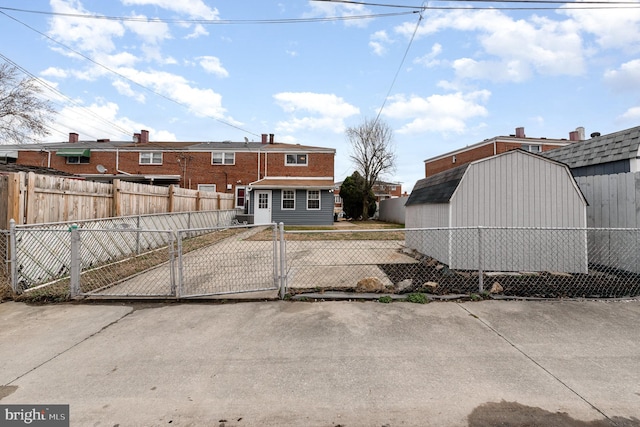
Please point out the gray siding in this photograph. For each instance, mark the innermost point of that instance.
(614, 202)
(302, 216)
(517, 190)
(392, 210)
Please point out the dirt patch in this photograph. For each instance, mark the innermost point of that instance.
(514, 414)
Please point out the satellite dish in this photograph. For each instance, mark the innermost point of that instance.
(101, 169)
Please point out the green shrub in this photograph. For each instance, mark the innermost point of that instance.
(386, 299)
(417, 298)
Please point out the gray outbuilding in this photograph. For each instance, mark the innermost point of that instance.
(516, 211)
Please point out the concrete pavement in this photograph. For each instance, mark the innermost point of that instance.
(279, 363)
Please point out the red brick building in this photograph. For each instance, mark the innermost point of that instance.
(294, 182)
(495, 146)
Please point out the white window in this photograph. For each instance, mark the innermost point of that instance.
(207, 187)
(313, 199)
(240, 197)
(393, 188)
(337, 199)
(288, 199)
(296, 160)
(223, 158)
(532, 148)
(151, 158)
(78, 160)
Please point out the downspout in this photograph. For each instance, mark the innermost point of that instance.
(494, 147)
(118, 163)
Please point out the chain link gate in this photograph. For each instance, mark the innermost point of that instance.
(236, 260)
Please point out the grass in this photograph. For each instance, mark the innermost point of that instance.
(351, 230)
(386, 299)
(417, 298)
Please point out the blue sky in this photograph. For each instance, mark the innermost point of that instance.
(209, 70)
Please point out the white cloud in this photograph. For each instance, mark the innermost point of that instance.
(93, 35)
(198, 31)
(437, 113)
(321, 111)
(631, 115)
(124, 88)
(332, 10)
(429, 60)
(192, 8)
(538, 44)
(151, 32)
(54, 72)
(378, 42)
(615, 27)
(212, 65)
(626, 78)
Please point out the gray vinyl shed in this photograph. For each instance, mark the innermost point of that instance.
(525, 211)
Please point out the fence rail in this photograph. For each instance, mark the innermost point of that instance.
(202, 261)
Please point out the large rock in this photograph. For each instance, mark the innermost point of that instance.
(404, 285)
(496, 288)
(370, 284)
(431, 285)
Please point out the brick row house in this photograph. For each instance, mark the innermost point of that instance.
(273, 182)
(495, 146)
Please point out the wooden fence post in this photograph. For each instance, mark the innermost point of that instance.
(31, 204)
(171, 196)
(116, 201)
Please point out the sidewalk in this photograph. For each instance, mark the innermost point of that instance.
(283, 363)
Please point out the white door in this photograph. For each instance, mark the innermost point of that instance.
(262, 214)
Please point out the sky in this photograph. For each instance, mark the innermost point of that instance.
(442, 75)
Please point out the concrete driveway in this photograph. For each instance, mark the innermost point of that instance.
(277, 363)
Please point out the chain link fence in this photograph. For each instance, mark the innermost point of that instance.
(42, 253)
(198, 262)
(520, 262)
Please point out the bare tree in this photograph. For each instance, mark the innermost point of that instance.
(23, 113)
(371, 145)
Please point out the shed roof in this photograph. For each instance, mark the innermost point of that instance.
(437, 188)
(622, 145)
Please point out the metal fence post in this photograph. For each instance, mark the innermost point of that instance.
(480, 273)
(138, 235)
(75, 261)
(13, 255)
(179, 288)
(172, 264)
(283, 263)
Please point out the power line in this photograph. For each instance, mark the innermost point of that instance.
(208, 21)
(123, 76)
(587, 2)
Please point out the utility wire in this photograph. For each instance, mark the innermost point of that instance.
(209, 21)
(587, 2)
(123, 76)
(404, 57)
(57, 92)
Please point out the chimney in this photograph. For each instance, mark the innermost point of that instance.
(573, 136)
(595, 134)
(104, 140)
(580, 131)
(136, 138)
(73, 137)
(144, 136)
(264, 138)
(520, 132)
(270, 138)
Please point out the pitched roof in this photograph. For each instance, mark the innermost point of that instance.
(288, 182)
(437, 188)
(613, 147)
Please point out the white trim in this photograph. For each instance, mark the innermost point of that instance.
(204, 187)
(283, 199)
(152, 155)
(224, 158)
(240, 187)
(319, 200)
(306, 157)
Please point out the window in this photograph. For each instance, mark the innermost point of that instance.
(207, 187)
(296, 159)
(531, 148)
(223, 158)
(151, 158)
(240, 197)
(393, 188)
(313, 199)
(78, 160)
(288, 199)
(337, 199)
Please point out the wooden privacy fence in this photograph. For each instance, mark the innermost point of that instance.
(29, 198)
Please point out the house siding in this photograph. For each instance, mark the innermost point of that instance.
(300, 215)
